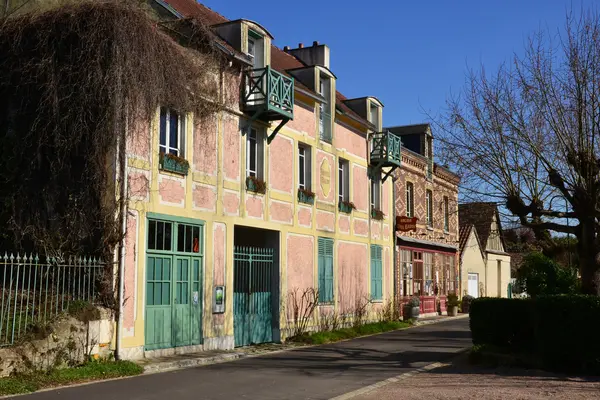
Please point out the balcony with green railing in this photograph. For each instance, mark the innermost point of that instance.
(385, 150)
(269, 94)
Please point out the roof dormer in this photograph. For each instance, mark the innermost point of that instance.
(369, 108)
(248, 37)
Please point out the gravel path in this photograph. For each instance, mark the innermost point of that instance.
(466, 382)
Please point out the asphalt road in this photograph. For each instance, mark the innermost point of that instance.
(311, 373)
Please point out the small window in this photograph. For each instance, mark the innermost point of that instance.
(251, 47)
(410, 200)
(325, 109)
(446, 215)
(188, 238)
(254, 153)
(374, 115)
(376, 193)
(429, 198)
(344, 180)
(172, 132)
(304, 167)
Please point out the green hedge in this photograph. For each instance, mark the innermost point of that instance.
(562, 331)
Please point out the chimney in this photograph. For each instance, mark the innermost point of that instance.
(286, 48)
(317, 54)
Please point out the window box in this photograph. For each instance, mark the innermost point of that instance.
(173, 163)
(306, 196)
(253, 184)
(377, 214)
(346, 207)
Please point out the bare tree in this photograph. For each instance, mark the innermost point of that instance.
(527, 136)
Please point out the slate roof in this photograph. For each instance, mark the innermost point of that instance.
(280, 60)
(481, 215)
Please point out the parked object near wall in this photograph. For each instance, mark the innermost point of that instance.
(452, 305)
(411, 309)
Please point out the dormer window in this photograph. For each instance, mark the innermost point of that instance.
(374, 115)
(325, 109)
(256, 49)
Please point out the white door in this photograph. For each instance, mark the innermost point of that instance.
(257, 53)
(473, 287)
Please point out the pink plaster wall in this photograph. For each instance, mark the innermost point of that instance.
(360, 196)
(386, 232)
(254, 206)
(231, 203)
(375, 229)
(333, 173)
(352, 268)
(385, 198)
(281, 155)
(130, 266)
(304, 120)
(231, 149)
(325, 221)
(205, 145)
(300, 263)
(138, 141)
(204, 197)
(353, 142)
(281, 212)
(171, 190)
(138, 184)
(219, 250)
(305, 216)
(344, 224)
(361, 227)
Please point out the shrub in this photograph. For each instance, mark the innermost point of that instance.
(559, 330)
(540, 275)
(414, 302)
(502, 322)
(452, 300)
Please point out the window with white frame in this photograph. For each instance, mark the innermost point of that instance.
(171, 132)
(429, 199)
(376, 192)
(254, 153)
(410, 200)
(304, 167)
(374, 115)
(344, 180)
(325, 109)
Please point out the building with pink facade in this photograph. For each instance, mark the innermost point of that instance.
(286, 191)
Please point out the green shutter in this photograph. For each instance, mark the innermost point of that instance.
(376, 273)
(325, 270)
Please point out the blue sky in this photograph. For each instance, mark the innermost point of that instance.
(410, 54)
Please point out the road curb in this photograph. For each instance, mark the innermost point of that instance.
(398, 378)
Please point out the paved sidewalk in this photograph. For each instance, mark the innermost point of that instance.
(319, 372)
(465, 382)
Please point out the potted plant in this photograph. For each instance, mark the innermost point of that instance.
(253, 184)
(377, 214)
(466, 303)
(306, 196)
(411, 308)
(452, 305)
(346, 206)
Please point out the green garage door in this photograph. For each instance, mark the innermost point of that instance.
(173, 284)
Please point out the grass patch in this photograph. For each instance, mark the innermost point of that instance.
(350, 333)
(91, 371)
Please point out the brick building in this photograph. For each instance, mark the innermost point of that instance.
(426, 257)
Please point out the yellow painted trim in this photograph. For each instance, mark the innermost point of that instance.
(138, 163)
(203, 178)
(288, 198)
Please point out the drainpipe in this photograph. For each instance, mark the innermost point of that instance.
(123, 212)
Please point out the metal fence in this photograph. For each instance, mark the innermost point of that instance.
(34, 289)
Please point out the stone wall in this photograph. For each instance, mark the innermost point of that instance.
(63, 343)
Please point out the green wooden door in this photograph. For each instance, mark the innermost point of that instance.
(173, 284)
(252, 296)
(376, 273)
